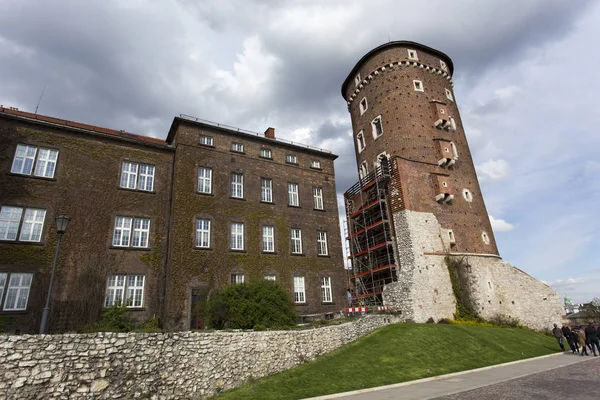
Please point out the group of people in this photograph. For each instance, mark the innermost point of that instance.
(579, 337)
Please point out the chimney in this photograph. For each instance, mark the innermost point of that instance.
(270, 133)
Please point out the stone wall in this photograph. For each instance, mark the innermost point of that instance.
(184, 365)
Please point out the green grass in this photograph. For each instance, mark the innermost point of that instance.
(399, 353)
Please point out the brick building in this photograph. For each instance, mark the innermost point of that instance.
(418, 199)
(159, 223)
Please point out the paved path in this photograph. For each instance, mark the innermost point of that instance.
(486, 381)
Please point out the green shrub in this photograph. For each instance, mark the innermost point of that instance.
(114, 319)
(245, 306)
(259, 327)
(152, 325)
(430, 321)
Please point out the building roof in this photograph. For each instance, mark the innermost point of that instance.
(244, 133)
(12, 112)
(396, 43)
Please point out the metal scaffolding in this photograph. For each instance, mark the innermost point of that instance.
(370, 236)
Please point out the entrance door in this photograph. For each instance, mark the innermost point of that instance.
(198, 305)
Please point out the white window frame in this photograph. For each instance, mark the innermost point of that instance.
(204, 180)
(485, 238)
(133, 178)
(374, 127)
(237, 278)
(237, 147)
(315, 164)
(236, 236)
(449, 94)
(237, 185)
(268, 239)
(318, 198)
(454, 150)
(10, 222)
(18, 288)
(266, 153)
(412, 54)
(291, 159)
(322, 248)
(467, 195)
(125, 290)
(363, 170)
(130, 230)
(266, 190)
(365, 107)
(206, 140)
(203, 233)
(357, 80)
(32, 225)
(293, 195)
(418, 85)
(443, 66)
(296, 240)
(34, 160)
(360, 141)
(299, 289)
(270, 277)
(326, 293)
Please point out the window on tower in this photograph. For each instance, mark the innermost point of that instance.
(357, 80)
(412, 55)
(377, 127)
(418, 86)
(360, 141)
(363, 105)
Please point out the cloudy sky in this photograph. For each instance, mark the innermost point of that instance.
(526, 81)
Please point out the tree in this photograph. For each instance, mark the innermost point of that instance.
(592, 309)
(256, 304)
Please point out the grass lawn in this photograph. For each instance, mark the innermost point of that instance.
(399, 353)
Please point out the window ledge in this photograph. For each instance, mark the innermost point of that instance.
(205, 194)
(237, 198)
(206, 145)
(13, 312)
(136, 190)
(43, 178)
(267, 202)
(203, 248)
(238, 251)
(4, 241)
(237, 152)
(130, 248)
(127, 308)
(324, 255)
(266, 158)
(301, 304)
(292, 206)
(270, 253)
(319, 209)
(298, 254)
(292, 163)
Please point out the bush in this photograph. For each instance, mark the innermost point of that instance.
(430, 321)
(244, 306)
(113, 319)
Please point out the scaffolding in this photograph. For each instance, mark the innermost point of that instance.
(370, 236)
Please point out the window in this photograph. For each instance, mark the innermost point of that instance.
(449, 95)
(237, 186)
(266, 190)
(237, 279)
(17, 293)
(322, 243)
(137, 176)
(377, 127)
(316, 164)
(467, 195)
(363, 171)
(412, 55)
(203, 233)
(123, 237)
(130, 286)
(268, 239)
(296, 239)
(237, 147)
(418, 86)
(318, 198)
(299, 290)
(204, 180)
(237, 236)
(25, 158)
(485, 238)
(270, 278)
(266, 153)
(443, 66)
(363, 105)
(31, 223)
(293, 199)
(326, 289)
(360, 141)
(454, 150)
(357, 80)
(291, 159)
(206, 140)
(451, 236)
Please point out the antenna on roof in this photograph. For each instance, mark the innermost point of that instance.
(41, 95)
(389, 40)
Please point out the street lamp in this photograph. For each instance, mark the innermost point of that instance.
(62, 222)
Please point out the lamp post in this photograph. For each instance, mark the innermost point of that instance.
(62, 222)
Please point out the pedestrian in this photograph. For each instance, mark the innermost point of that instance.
(559, 336)
(592, 338)
(567, 334)
(581, 340)
(575, 339)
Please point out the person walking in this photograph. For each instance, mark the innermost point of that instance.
(559, 336)
(575, 339)
(591, 335)
(581, 340)
(567, 334)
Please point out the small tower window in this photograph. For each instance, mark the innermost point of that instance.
(377, 127)
(443, 66)
(360, 141)
(449, 95)
(363, 105)
(485, 238)
(467, 195)
(363, 171)
(444, 184)
(357, 80)
(454, 150)
(412, 55)
(418, 86)
(451, 238)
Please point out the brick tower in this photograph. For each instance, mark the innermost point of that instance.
(418, 199)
